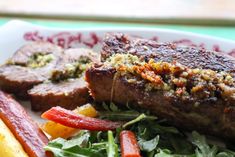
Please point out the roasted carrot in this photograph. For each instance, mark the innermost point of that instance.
(22, 126)
(73, 120)
(9, 145)
(129, 145)
(56, 130)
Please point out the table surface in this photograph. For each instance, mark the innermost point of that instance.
(220, 12)
(137, 13)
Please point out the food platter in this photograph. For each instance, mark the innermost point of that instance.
(18, 33)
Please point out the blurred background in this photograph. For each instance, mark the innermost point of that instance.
(212, 17)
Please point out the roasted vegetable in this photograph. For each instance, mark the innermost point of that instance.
(71, 119)
(86, 110)
(9, 146)
(129, 144)
(22, 126)
(56, 130)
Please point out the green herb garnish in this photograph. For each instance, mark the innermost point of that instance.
(40, 60)
(155, 139)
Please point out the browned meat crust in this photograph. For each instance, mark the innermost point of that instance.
(168, 52)
(16, 76)
(67, 87)
(212, 115)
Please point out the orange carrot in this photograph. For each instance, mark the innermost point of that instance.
(129, 145)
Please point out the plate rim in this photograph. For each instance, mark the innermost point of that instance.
(18, 23)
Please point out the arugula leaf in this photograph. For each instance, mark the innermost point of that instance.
(81, 140)
(86, 152)
(225, 154)
(180, 144)
(56, 147)
(105, 106)
(100, 147)
(149, 145)
(164, 153)
(165, 129)
(167, 153)
(123, 115)
(155, 138)
(203, 149)
(112, 112)
(137, 119)
(113, 107)
(76, 147)
(112, 148)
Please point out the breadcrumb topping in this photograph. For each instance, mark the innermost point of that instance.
(175, 78)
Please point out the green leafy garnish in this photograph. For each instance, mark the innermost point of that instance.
(137, 119)
(149, 145)
(78, 146)
(154, 136)
(112, 148)
(56, 147)
(205, 150)
(168, 153)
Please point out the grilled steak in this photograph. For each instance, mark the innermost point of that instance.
(192, 88)
(67, 87)
(168, 52)
(30, 65)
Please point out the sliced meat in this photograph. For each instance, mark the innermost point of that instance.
(67, 87)
(30, 65)
(68, 94)
(74, 63)
(193, 89)
(83, 54)
(18, 80)
(26, 52)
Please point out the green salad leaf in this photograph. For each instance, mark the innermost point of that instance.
(136, 120)
(155, 138)
(78, 146)
(205, 150)
(167, 153)
(81, 140)
(112, 148)
(56, 147)
(149, 145)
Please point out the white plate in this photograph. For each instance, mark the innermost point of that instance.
(16, 33)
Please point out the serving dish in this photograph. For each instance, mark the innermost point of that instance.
(16, 33)
(202, 84)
